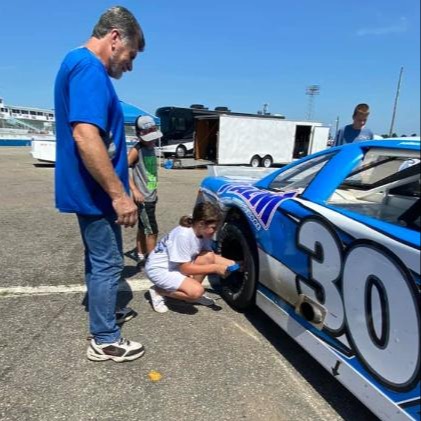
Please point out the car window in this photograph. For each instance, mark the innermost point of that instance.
(384, 185)
(300, 175)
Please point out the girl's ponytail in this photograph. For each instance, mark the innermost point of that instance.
(186, 221)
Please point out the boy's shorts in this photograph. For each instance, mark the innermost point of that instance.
(147, 218)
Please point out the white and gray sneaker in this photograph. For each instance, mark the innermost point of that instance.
(157, 301)
(204, 300)
(120, 351)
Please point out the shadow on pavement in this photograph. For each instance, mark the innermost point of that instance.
(44, 165)
(176, 306)
(346, 404)
(123, 297)
(343, 401)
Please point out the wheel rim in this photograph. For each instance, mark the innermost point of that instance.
(235, 282)
(267, 163)
(254, 163)
(180, 152)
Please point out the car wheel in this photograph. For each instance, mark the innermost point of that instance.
(267, 161)
(255, 161)
(180, 152)
(239, 288)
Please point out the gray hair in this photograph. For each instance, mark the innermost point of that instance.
(118, 17)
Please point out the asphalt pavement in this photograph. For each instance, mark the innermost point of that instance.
(200, 363)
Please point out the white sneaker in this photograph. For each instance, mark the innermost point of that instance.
(120, 351)
(157, 301)
(141, 259)
(205, 301)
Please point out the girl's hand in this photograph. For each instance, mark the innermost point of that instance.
(221, 270)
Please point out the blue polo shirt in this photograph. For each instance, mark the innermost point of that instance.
(84, 93)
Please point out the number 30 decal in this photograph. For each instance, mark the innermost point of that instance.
(369, 293)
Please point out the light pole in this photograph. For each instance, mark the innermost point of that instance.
(311, 91)
(265, 109)
(396, 103)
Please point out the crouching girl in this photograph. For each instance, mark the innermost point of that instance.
(184, 257)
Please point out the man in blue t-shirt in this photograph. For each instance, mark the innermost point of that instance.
(91, 175)
(355, 132)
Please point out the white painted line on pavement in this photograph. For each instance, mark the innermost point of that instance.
(128, 285)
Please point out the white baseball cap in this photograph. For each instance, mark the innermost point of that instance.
(146, 128)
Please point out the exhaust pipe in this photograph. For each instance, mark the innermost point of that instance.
(311, 311)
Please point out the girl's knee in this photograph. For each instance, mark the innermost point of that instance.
(196, 292)
(205, 258)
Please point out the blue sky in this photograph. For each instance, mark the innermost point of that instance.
(234, 53)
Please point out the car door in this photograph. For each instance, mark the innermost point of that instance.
(280, 260)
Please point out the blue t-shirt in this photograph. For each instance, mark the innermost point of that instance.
(349, 135)
(84, 93)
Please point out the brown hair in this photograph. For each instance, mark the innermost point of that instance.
(361, 109)
(203, 212)
(118, 17)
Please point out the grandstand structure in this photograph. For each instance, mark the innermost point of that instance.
(26, 119)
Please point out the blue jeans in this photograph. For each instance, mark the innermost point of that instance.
(103, 266)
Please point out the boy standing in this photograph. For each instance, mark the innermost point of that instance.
(357, 131)
(143, 184)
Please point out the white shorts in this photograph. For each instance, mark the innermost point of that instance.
(163, 278)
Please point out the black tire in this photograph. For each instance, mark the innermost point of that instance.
(180, 152)
(238, 289)
(267, 161)
(255, 161)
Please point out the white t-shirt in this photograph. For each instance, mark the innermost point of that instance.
(181, 245)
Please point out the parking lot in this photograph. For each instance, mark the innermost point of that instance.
(216, 364)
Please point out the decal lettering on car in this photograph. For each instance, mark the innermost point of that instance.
(371, 297)
(263, 204)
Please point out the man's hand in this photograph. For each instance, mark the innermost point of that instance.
(126, 211)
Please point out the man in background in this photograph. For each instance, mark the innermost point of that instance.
(357, 131)
(91, 175)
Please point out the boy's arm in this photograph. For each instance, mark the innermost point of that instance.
(132, 159)
(137, 195)
(133, 156)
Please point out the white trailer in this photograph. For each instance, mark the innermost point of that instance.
(44, 150)
(256, 140)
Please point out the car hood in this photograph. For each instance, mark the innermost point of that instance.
(246, 175)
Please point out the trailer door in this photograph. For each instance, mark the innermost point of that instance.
(206, 138)
(319, 139)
